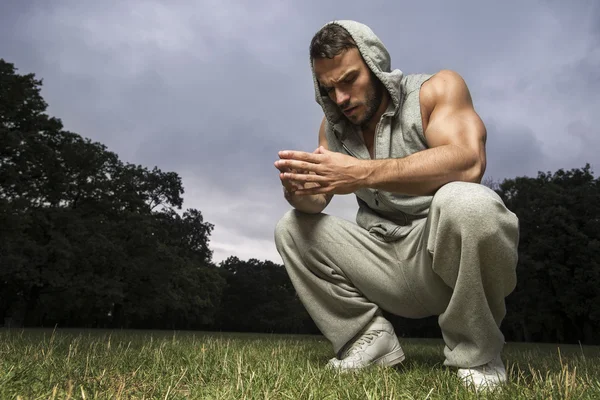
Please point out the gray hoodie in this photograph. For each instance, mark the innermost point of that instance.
(387, 216)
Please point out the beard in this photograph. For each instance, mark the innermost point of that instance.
(374, 97)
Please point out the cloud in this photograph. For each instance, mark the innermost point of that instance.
(213, 89)
(244, 223)
(512, 151)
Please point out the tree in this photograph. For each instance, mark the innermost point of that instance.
(259, 297)
(89, 240)
(558, 291)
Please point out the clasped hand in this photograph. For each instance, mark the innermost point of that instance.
(329, 172)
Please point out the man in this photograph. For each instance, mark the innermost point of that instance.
(429, 239)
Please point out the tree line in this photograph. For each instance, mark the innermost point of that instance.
(88, 240)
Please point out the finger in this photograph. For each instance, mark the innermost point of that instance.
(282, 168)
(314, 190)
(300, 155)
(298, 165)
(290, 184)
(304, 177)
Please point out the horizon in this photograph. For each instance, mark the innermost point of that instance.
(203, 90)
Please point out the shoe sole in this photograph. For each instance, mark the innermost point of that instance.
(390, 359)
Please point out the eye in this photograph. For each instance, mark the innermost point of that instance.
(326, 91)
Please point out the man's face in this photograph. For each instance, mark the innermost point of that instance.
(349, 83)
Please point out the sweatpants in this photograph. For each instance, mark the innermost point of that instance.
(458, 263)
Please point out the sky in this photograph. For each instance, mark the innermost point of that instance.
(213, 89)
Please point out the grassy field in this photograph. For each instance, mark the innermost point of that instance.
(43, 364)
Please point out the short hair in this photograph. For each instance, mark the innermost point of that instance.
(331, 41)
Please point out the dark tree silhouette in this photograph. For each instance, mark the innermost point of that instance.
(88, 240)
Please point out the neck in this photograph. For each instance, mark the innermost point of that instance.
(369, 127)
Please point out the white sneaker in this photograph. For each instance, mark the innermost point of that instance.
(487, 376)
(376, 344)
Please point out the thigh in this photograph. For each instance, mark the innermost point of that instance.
(374, 267)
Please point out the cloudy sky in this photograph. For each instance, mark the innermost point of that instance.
(212, 89)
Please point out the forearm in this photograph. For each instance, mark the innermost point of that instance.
(311, 204)
(424, 172)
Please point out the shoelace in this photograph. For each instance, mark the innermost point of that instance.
(367, 338)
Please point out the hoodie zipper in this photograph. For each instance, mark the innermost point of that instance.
(349, 152)
(375, 156)
(385, 115)
(376, 192)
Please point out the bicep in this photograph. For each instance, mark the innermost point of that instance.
(322, 135)
(453, 120)
(463, 128)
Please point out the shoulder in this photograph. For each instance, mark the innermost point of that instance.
(445, 93)
(445, 89)
(444, 86)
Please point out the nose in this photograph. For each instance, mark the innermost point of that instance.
(341, 97)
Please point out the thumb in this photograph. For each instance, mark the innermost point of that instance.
(321, 150)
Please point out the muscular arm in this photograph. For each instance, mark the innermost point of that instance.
(316, 203)
(455, 136)
(456, 151)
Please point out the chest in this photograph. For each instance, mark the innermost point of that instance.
(396, 136)
(369, 139)
(393, 138)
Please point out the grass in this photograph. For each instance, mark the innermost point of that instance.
(69, 364)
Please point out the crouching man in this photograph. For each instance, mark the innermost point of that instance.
(429, 239)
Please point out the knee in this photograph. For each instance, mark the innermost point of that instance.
(285, 228)
(473, 205)
(464, 199)
(474, 217)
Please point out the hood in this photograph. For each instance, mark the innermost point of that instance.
(377, 59)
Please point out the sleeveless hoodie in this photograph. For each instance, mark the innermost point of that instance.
(387, 216)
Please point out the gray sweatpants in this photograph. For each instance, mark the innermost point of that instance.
(458, 263)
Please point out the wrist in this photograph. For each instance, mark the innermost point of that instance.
(367, 174)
